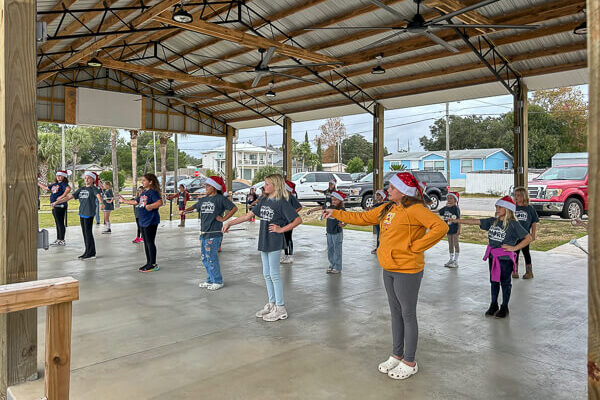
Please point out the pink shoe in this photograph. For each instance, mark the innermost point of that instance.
(135, 240)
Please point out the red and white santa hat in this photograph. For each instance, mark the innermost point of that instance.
(290, 186)
(333, 180)
(508, 203)
(382, 193)
(61, 172)
(217, 182)
(406, 183)
(338, 195)
(455, 195)
(94, 176)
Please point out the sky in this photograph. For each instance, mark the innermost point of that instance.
(402, 127)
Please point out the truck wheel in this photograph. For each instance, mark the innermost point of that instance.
(572, 209)
(435, 201)
(367, 201)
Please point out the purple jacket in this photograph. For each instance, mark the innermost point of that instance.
(496, 253)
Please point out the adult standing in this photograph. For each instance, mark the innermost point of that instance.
(407, 229)
(87, 197)
(57, 190)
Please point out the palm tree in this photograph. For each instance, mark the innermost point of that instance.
(134, 144)
(115, 167)
(49, 152)
(77, 139)
(164, 140)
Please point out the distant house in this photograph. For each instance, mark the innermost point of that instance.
(248, 159)
(461, 162)
(82, 168)
(569, 158)
(296, 166)
(334, 167)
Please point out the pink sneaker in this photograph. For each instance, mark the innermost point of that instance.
(135, 240)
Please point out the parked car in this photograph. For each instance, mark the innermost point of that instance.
(170, 188)
(361, 193)
(307, 182)
(235, 186)
(357, 176)
(239, 196)
(561, 190)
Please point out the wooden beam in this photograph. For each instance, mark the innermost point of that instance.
(57, 367)
(61, 5)
(27, 295)
(287, 148)
(593, 39)
(70, 105)
(164, 74)
(229, 156)
(245, 39)
(378, 141)
(471, 17)
(18, 185)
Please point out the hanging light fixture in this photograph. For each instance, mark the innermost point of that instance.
(581, 29)
(181, 15)
(378, 70)
(94, 62)
(271, 93)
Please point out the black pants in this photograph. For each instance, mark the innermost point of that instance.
(149, 235)
(506, 269)
(59, 218)
(289, 243)
(88, 237)
(526, 254)
(377, 229)
(139, 228)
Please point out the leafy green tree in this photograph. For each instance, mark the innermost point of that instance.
(356, 146)
(355, 165)
(265, 171)
(319, 155)
(370, 166)
(77, 142)
(107, 176)
(49, 153)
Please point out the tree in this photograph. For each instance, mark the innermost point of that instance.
(398, 167)
(49, 153)
(356, 146)
(107, 176)
(370, 166)
(77, 141)
(133, 135)
(330, 155)
(319, 155)
(265, 171)
(333, 132)
(115, 165)
(164, 140)
(355, 165)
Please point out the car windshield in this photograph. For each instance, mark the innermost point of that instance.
(297, 176)
(238, 186)
(367, 178)
(344, 177)
(564, 173)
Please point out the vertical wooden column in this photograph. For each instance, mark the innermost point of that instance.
(593, 43)
(176, 165)
(229, 156)
(521, 129)
(57, 375)
(378, 147)
(287, 148)
(18, 192)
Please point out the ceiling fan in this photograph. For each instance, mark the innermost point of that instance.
(418, 24)
(170, 94)
(263, 68)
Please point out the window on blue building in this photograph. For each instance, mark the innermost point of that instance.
(506, 164)
(466, 166)
(433, 165)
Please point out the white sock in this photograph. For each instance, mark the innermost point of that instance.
(451, 257)
(456, 257)
(108, 225)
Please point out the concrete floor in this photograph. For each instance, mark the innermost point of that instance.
(158, 336)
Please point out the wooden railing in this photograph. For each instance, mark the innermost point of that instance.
(57, 295)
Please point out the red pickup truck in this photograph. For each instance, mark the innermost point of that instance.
(561, 190)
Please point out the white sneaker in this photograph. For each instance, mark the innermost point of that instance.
(454, 264)
(265, 310)
(447, 265)
(282, 257)
(403, 371)
(55, 243)
(214, 286)
(335, 271)
(329, 270)
(289, 259)
(204, 285)
(62, 243)
(286, 260)
(388, 365)
(277, 313)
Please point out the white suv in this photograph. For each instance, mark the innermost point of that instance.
(307, 182)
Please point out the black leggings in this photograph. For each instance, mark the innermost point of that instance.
(289, 243)
(59, 218)
(526, 254)
(149, 234)
(139, 228)
(506, 269)
(88, 237)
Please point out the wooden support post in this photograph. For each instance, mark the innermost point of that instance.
(18, 191)
(229, 156)
(521, 158)
(287, 148)
(593, 43)
(378, 148)
(58, 351)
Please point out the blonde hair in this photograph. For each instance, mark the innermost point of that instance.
(279, 190)
(509, 216)
(524, 194)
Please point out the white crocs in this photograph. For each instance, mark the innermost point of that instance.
(403, 371)
(388, 365)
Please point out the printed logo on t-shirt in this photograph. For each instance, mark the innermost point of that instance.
(84, 194)
(388, 218)
(55, 189)
(448, 216)
(496, 233)
(266, 213)
(521, 215)
(143, 201)
(208, 207)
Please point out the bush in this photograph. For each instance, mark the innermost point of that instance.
(399, 167)
(108, 176)
(355, 165)
(263, 172)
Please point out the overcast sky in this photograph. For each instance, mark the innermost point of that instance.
(402, 126)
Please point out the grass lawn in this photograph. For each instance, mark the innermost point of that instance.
(550, 234)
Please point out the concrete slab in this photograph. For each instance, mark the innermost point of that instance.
(157, 335)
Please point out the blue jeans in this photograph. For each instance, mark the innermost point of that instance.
(210, 259)
(271, 266)
(334, 250)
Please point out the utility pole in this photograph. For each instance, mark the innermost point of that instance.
(154, 144)
(398, 146)
(448, 142)
(62, 149)
(176, 165)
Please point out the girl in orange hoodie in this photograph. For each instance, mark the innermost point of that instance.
(407, 229)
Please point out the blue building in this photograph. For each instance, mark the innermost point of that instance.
(461, 162)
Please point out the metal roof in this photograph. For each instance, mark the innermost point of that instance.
(418, 70)
(454, 154)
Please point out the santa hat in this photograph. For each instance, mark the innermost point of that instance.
(406, 183)
(94, 176)
(508, 203)
(333, 180)
(290, 186)
(217, 182)
(62, 173)
(455, 195)
(382, 193)
(338, 195)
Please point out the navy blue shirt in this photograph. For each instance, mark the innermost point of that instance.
(57, 189)
(526, 215)
(448, 212)
(146, 217)
(136, 211)
(333, 225)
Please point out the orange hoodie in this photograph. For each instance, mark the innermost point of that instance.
(403, 236)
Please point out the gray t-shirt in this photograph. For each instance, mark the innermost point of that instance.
(270, 211)
(498, 236)
(209, 208)
(526, 215)
(447, 212)
(87, 200)
(294, 202)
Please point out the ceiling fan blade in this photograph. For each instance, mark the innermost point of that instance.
(257, 79)
(383, 28)
(265, 62)
(385, 39)
(386, 7)
(220, 59)
(305, 65)
(461, 11)
(436, 39)
(295, 77)
(443, 26)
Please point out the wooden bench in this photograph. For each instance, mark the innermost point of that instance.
(57, 295)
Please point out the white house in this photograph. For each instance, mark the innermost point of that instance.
(334, 167)
(248, 159)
